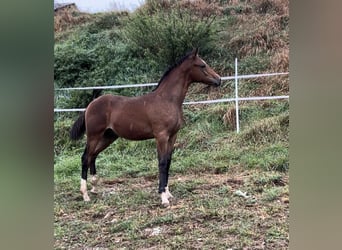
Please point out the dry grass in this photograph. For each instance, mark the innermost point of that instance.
(267, 130)
(279, 7)
(263, 32)
(259, 35)
(261, 28)
(229, 118)
(66, 18)
(280, 60)
(199, 8)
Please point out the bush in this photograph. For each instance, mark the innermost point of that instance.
(169, 33)
(72, 64)
(97, 59)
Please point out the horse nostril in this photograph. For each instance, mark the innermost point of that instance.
(219, 82)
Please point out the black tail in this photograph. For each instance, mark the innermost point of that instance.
(77, 130)
(96, 93)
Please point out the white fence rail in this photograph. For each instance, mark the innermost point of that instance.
(236, 77)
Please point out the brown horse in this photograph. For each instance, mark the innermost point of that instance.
(157, 114)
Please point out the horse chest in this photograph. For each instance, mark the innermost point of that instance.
(177, 122)
(167, 119)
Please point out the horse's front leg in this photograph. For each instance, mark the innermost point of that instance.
(168, 194)
(163, 176)
(170, 148)
(163, 159)
(165, 148)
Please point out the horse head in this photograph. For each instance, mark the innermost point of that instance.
(201, 71)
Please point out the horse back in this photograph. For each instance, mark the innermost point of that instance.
(126, 116)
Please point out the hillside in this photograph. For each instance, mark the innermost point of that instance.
(212, 165)
(120, 48)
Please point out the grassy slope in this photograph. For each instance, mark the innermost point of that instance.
(211, 162)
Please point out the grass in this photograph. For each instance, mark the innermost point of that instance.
(210, 163)
(205, 215)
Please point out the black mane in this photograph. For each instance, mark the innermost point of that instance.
(167, 72)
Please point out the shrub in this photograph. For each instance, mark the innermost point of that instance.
(169, 33)
(72, 64)
(97, 59)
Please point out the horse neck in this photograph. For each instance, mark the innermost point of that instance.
(175, 86)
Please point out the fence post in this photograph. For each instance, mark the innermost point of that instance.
(236, 99)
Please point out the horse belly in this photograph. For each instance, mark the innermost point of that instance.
(133, 131)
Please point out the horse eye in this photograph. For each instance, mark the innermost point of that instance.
(202, 66)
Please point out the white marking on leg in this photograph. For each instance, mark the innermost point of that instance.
(93, 182)
(169, 195)
(84, 190)
(94, 179)
(165, 201)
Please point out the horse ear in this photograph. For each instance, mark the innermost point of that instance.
(195, 52)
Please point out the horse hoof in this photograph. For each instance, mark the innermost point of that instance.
(86, 198)
(166, 204)
(94, 180)
(169, 195)
(164, 199)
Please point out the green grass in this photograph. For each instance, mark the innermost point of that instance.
(205, 144)
(210, 163)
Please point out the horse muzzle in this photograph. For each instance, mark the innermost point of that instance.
(216, 81)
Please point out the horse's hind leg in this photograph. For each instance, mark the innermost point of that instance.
(84, 173)
(92, 150)
(94, 179)
(108, 137)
